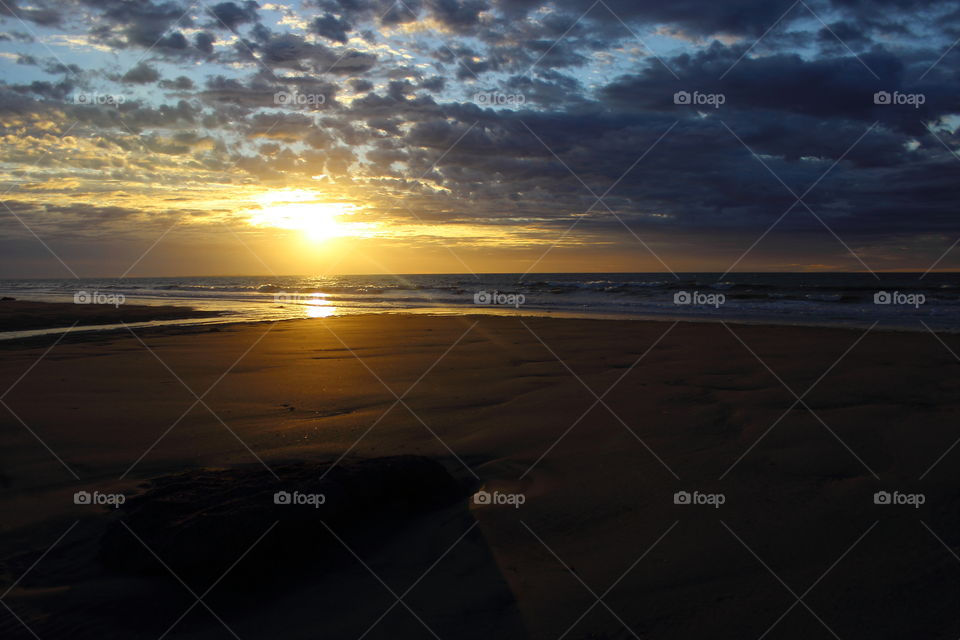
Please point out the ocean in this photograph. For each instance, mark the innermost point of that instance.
(906, 301)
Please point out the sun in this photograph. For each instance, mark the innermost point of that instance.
(304, 211)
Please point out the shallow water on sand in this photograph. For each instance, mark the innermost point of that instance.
(907, 301)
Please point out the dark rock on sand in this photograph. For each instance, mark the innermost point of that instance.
(200, 522)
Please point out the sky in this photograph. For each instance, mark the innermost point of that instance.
(148, 138)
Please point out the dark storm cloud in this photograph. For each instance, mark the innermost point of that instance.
(36, 12)
(16, 36)
(133, 117)
(230, 15)
(360, 85)
(700, 174)
(746, 18)
(826, 88)
(700, 17)
(290, 51)
(289, 127)
(144, 24)
(842, 34)
(332, 28)
(204, 41)
(552, 90)
(247, 96)
(68, 218)
(55, 67)
(143, 73)
(435, 83)
(180, 83)
(458, 15)
(375, 12)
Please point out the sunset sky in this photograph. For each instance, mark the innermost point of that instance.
(361, 136)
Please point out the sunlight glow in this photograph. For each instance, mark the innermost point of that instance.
(301, 210)
(319, 307)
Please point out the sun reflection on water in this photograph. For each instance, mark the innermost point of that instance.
(319, 307)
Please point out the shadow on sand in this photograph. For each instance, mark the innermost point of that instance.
(393, 552)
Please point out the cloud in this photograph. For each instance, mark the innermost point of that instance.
(291, 51)
(38, 13)
(332, 28)
(230, 15)
(143, 73)
(180, 83)
(390, 108)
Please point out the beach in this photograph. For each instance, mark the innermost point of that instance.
(646, 479)
(479, 320)
(29, 315)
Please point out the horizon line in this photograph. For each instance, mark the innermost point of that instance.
(488, 273)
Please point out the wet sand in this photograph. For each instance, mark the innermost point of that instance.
(24, 315)
(510, 405)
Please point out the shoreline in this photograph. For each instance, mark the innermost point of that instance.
(898, 301)
(192, 320)
(24, 316)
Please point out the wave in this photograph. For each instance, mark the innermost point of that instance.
(819, 297)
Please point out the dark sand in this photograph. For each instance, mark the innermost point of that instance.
(492, 406)
(23, 315)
